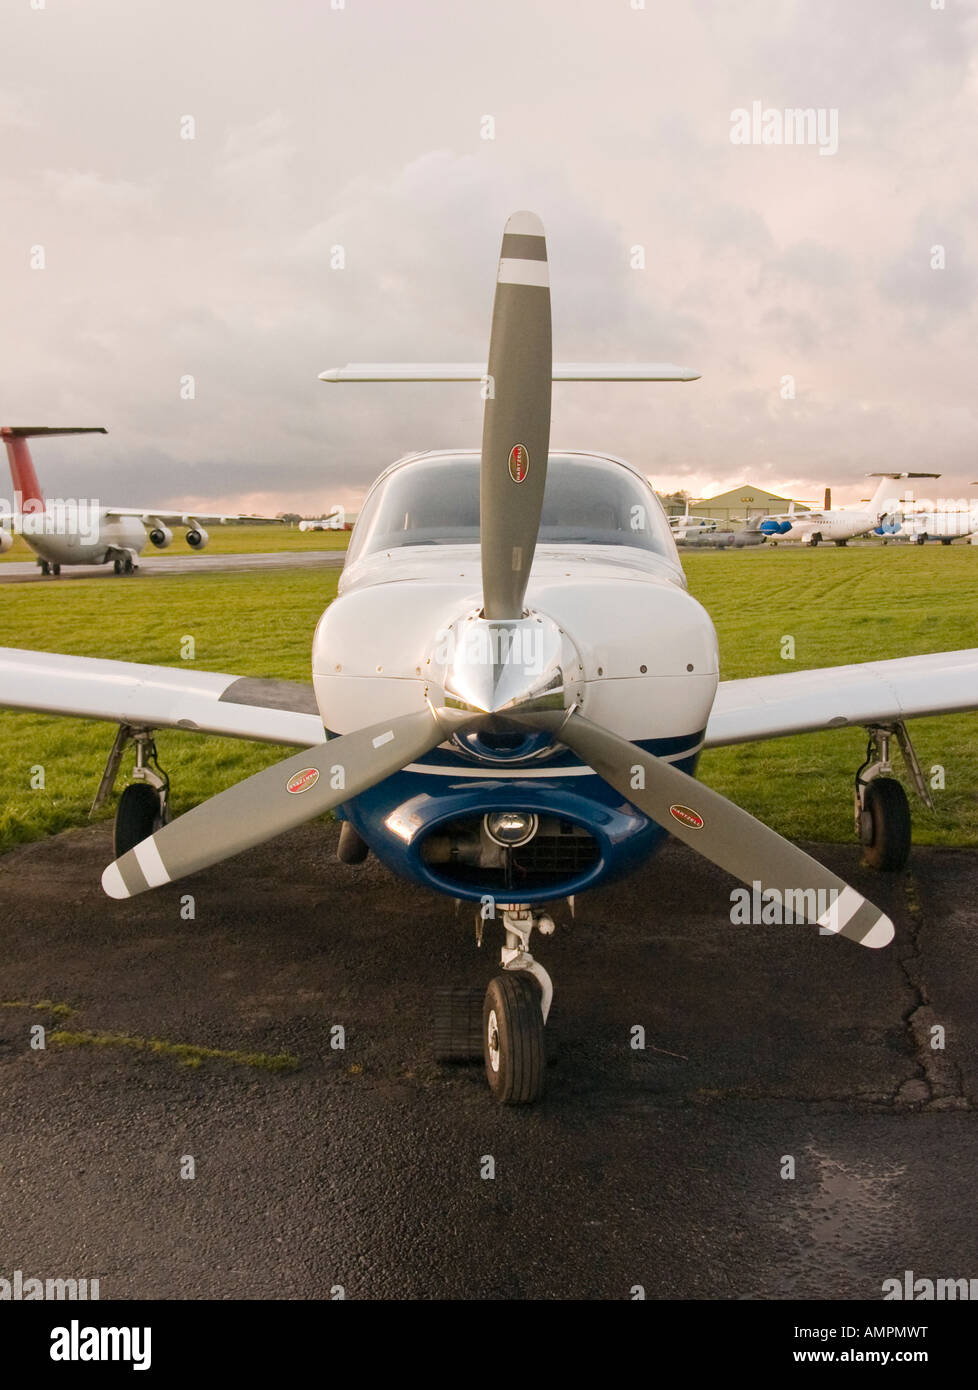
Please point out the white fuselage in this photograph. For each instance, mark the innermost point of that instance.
(838, 525)
(646, 651)
(100, 539)
(944, 525)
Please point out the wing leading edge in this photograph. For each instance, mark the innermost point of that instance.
(158, 697)
(835, 697)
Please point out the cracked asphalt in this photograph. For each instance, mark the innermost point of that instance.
(362, 1168)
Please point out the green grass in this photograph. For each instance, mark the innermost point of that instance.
(841, 605)
(228, 540)
(187, 1054)
(250, 624)
(838, 605)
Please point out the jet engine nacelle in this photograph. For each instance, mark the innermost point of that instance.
(6, 540)
(197, 538)
(161, 536)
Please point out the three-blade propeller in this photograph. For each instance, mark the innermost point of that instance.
(515, 444)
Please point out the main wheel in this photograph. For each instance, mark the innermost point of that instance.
(921, 539)
(458, 1023)
(945, 540)
(513, 1041)
(842, 542)
(117, 565)
(127, 565)
(55, 569)
(137, 816)
(884, 825)
(45, 567)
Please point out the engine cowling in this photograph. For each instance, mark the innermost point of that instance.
(6, 540)
(161, 536)
(197, 538)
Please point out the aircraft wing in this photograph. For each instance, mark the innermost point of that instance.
(476, 371)
(158, 697)
(284, 712)
(835, 697)
(148, 514)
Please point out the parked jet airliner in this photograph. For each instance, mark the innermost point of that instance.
(839, 524)
(80, 532)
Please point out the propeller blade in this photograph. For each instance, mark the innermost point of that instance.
(516, 427)
(277, 799)
(724, 833)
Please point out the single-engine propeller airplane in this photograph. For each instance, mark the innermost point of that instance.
(81, 531)
(510, 695)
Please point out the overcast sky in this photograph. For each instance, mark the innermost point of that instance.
(361, 127)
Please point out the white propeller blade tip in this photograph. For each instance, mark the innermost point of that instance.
(113, 883)
(523, 224)
(880, 934)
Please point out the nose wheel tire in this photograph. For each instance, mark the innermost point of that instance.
(513, 1038)
(138, 815)
(884, 825)
(351, 848)
(458, 1023)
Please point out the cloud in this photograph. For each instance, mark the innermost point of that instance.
(339, 204)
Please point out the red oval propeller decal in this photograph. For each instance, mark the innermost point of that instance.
(302, 781)
(685, 816)
(519, 462)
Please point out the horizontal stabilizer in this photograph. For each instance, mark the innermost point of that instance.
(476, 371)
(30, 431)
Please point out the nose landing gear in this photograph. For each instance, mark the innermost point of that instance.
(506, 1027)
(515, 1011)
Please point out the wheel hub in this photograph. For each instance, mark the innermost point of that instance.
(492, 1034)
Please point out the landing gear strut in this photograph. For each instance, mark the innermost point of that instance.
(144, 805)
(515, 1010)
(881, 809)
(505, 1028)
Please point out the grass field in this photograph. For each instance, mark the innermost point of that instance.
(837, 605)
(228, 540)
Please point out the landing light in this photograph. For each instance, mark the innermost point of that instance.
(511, 828)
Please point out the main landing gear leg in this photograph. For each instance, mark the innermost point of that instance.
(144, 805)
(881, 809)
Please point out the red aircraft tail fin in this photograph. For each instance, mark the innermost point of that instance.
(25, 481)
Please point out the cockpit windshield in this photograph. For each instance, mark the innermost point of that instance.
(434, 500)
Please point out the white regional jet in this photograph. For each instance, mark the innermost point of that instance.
(839, 524)
(80, 531)
(945, 522)
(509, 699)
